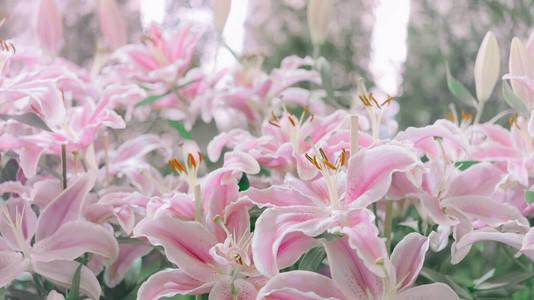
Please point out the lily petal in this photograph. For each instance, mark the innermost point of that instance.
(243, 291)
(61, 272)
(12, 264)
(408, 258)
(281, 246)
(67, 243)
(168, 283)
(186, 244)
(349, 271)
(434, 291)
(301, 285)
(370, 170)
(66, 207)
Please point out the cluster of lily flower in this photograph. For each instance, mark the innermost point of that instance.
(290, 179)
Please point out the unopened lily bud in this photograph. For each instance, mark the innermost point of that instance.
(112, 24)
(320, 13)
(49, 25)
(221, 10)
(521, 65)
(487, 66)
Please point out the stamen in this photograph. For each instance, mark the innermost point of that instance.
(513, 121)
(328, 164)
(274, 124)
(199, 158)
(192, 160)
(365, 100)
(374, 100)
(173, 166)
(311, 119)
(322, 154)
(274, 116)
(309, 158)
(179, 165)
(450, 116)
(387, 100)
(292, 122)
(36, 110)
(342, 157)
(305, 111)
(316, 163)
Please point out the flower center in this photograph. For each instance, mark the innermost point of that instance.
(329, 171)
(293, 129)
(16, 227)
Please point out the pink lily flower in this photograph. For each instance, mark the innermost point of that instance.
(161, 58)
(211, 247)
(303, 210)
(284, 141)
(57, 242)
(351, 279)
(252, 92)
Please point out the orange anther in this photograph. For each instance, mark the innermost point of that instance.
(309, 158)
(365, 100)
(387, 100)
(374, 100)
(173, 166)
(178, 165)
(273, 123)
(305, 110)
(274, 116)
(292, 122)
(199, 158)
(322, 154)
(192, 160)
(36, 110)
(342, 157)
(328, 164)
(316, 163)
(312, 116)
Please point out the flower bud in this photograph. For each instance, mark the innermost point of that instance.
(521, 65)
(221, 10)
(319, 15)
(49, 25)
(112, 24)
(487, 66)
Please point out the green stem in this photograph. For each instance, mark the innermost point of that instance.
(480, 108)
(374, 212)
(198, 203)
(38, 284)
(64, 165)
(388, 223)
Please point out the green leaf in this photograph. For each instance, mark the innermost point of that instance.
(151, 99)
(511, 98)
(74, 293)
(29, 119)
(243, 183)
(181, 129)
(464, 165)
(9, 171)
(326, 78)
(459, 90)
(435, 276)
(508, 279)
(127, 240)
(529, 197)
(312, 260)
